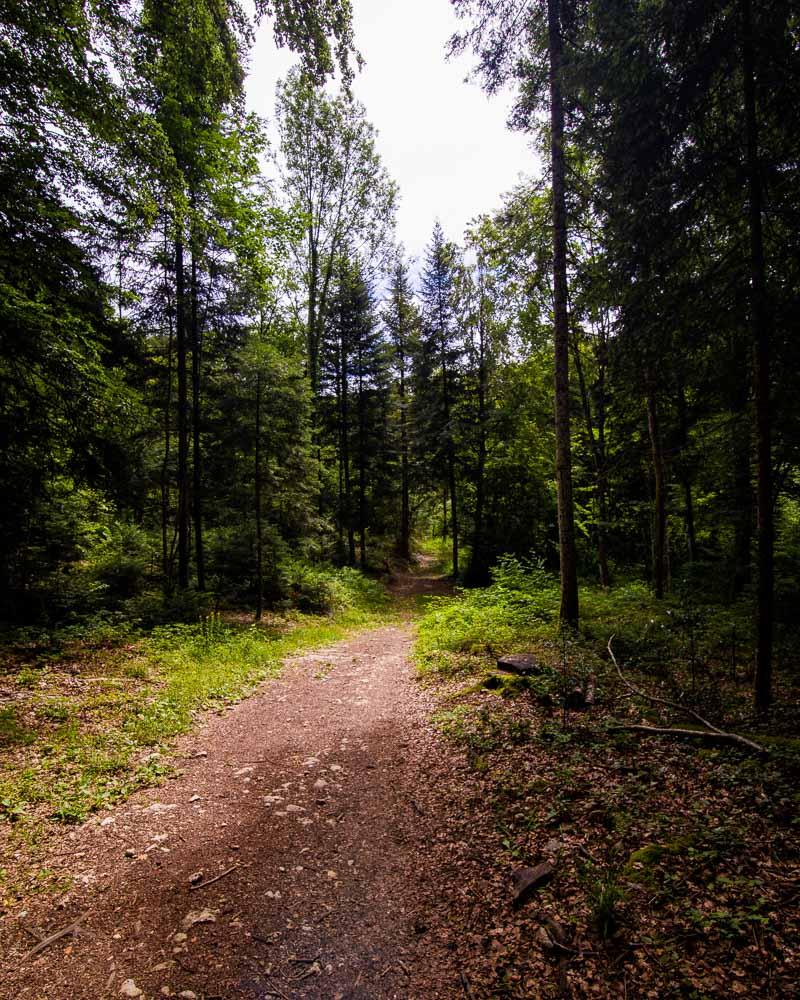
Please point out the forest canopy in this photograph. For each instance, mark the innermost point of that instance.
(219, 369)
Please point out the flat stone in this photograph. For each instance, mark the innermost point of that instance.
(528, 880)
(524, 664)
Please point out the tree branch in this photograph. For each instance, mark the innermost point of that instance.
(711, 729)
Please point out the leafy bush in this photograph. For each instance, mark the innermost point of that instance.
(122, 560)
(521, 600)
(323, 589)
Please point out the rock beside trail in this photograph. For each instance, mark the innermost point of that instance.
(528, 880)
(523, 664)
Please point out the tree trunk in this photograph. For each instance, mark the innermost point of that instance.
(451, 458)
(602, 465)
(345, 448)
(597, 445)
(566, 516)
(311, 334)
(166, 560)
(761, 334)
(479, 571)
(405, 503)
(362, 468)
(259, 525)
(183, 421)
(659, 500)
(339, 461)
(686, 482)
(197, 457)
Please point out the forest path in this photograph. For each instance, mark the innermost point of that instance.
(323, 802)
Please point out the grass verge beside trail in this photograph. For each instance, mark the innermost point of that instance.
(675, 864)
(86, 721)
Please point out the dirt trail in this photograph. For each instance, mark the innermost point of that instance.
(320, 802)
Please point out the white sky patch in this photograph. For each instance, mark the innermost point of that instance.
(442, 140)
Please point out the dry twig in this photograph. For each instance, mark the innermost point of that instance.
(211, 881)
(712, 731)
(52, 938)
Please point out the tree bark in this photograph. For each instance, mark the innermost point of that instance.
(166, 555)
(597, 446)
(660, 497)
(405, 503)
(345, 448)
(451, 458)
(566, 515)
(259, 524)
(686, 482)
(311, 335)
(761, 335)
(197, 457)
(183, 420)
(362, 465)
(479, 571)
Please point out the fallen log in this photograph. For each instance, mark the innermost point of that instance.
(704, 735)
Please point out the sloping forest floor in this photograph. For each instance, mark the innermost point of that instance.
(348, 831)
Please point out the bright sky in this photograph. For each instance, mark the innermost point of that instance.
(442, 140)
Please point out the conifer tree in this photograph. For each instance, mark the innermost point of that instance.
(437, 373)
(401, 319)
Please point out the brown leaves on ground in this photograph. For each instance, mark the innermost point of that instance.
(677, 871)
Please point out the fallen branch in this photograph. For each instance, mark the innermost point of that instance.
(724, 737)
(52, 938)
(706, 736)
(211, 881)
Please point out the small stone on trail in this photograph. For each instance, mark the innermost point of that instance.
(194, 879)
(528, 880)
(188, 995)
(129, 852)
(195, 798)
(198, 917)
(130, 989)
(320, 783)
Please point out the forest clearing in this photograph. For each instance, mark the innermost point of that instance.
(400, 484)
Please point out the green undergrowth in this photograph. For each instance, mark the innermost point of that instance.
(684, 647)
(683, 850)
(91, 721)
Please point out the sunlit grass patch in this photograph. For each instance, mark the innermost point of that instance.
(95, 726)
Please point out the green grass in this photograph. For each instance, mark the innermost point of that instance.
(85, 738)
(520, 612)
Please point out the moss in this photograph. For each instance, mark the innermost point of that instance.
(652, 854)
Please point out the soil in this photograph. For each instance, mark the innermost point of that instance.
(322, 806)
